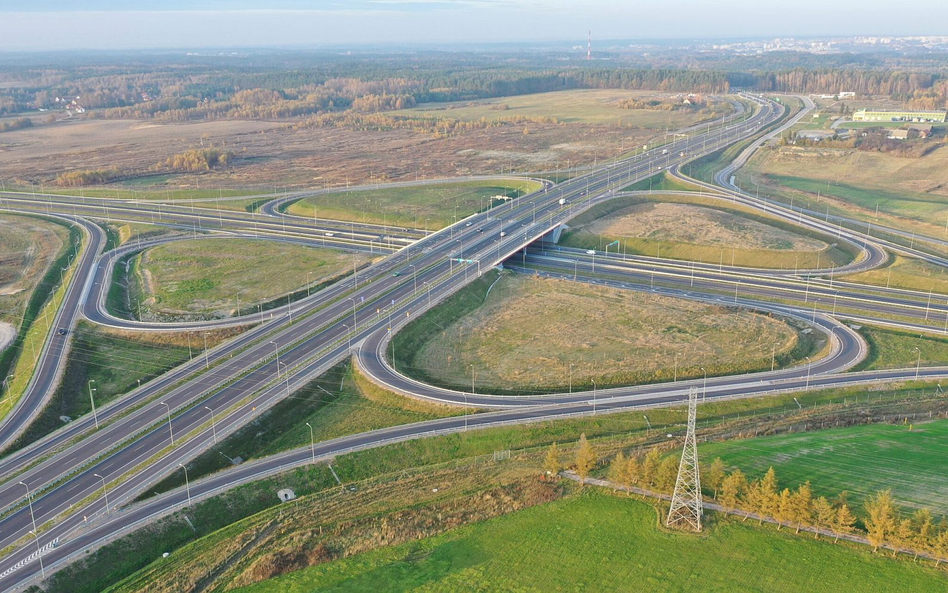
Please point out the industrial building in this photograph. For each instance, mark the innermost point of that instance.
(888, 115)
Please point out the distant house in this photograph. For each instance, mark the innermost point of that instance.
(924, 130)
(899, 135)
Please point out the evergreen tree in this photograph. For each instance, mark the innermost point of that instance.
(650, 467)
(802, 505)
(844, 521)
(732, 489)
(619, 470)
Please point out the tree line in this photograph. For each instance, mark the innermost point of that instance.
(884, 523)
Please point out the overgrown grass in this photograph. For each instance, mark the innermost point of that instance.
(662, 182)
(423, 206)
(608, 542)
(910, 273)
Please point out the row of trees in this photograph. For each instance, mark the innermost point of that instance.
(884, 523)
(87, 177)
(197, 160)
(16, 124)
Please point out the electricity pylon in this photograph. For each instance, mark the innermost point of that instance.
(686, 506)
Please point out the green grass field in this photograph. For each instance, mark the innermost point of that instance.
(423, 206)
(573, 106)
(338, 403)
(892, 349)
(151, 193)
(204, 276)
(602, 542)
(908, 273)
(911, 460)
(115, 362)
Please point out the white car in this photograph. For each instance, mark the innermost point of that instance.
(590, 252)
(330, 234)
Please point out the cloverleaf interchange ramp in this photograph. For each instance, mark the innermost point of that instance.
(133, 450)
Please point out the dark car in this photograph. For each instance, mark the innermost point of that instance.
(62, 331)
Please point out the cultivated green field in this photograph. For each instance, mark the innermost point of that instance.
(574, 106)
(910, 459)
(528, 334)
(423, 206)
(205, 276)
(603, 542)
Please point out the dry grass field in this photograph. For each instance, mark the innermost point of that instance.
(272, 155)
(27, 248)
(700, 226)
(529, 332)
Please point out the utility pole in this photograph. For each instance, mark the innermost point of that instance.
(92, 401)
(686, 505)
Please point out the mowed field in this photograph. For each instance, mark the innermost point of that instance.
(687, 228)
(910, 459)
(529, 332)
(910, 193)
(204, 276)
(422, 206)
(603, 542)
(27, 248)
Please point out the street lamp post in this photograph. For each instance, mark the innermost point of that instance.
(213, 423)
(187, 483)
(29, 499)
(704, 385)
(918, 362)
(808, 365)
(312, 441)
(594, 396)
(92, 401)
(276, 349)
(207, 364)
(571, 377)
(348, 335)
(170, 430)
(105, 493)
(39, 553)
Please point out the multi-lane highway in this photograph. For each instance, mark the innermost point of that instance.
(145, 434)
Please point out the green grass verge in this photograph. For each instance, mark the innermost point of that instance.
(338, 403)
(893, 349)
(605, 542)
(422, 206)
(115, 363)
(662, 182)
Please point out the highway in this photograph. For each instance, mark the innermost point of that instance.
(132, 447)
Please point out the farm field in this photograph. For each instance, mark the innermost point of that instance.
(541, 334)
(607, 542)
(909, 458)
(573, 106)
(694, 228)
(425, 207)
(205, 276)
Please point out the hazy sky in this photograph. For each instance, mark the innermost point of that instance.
(121, 24)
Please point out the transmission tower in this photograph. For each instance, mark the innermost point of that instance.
(686, 506)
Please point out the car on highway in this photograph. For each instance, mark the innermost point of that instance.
(503, 233)
(590, 252)
(330, 234)
(469, 224)
(62, 331)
